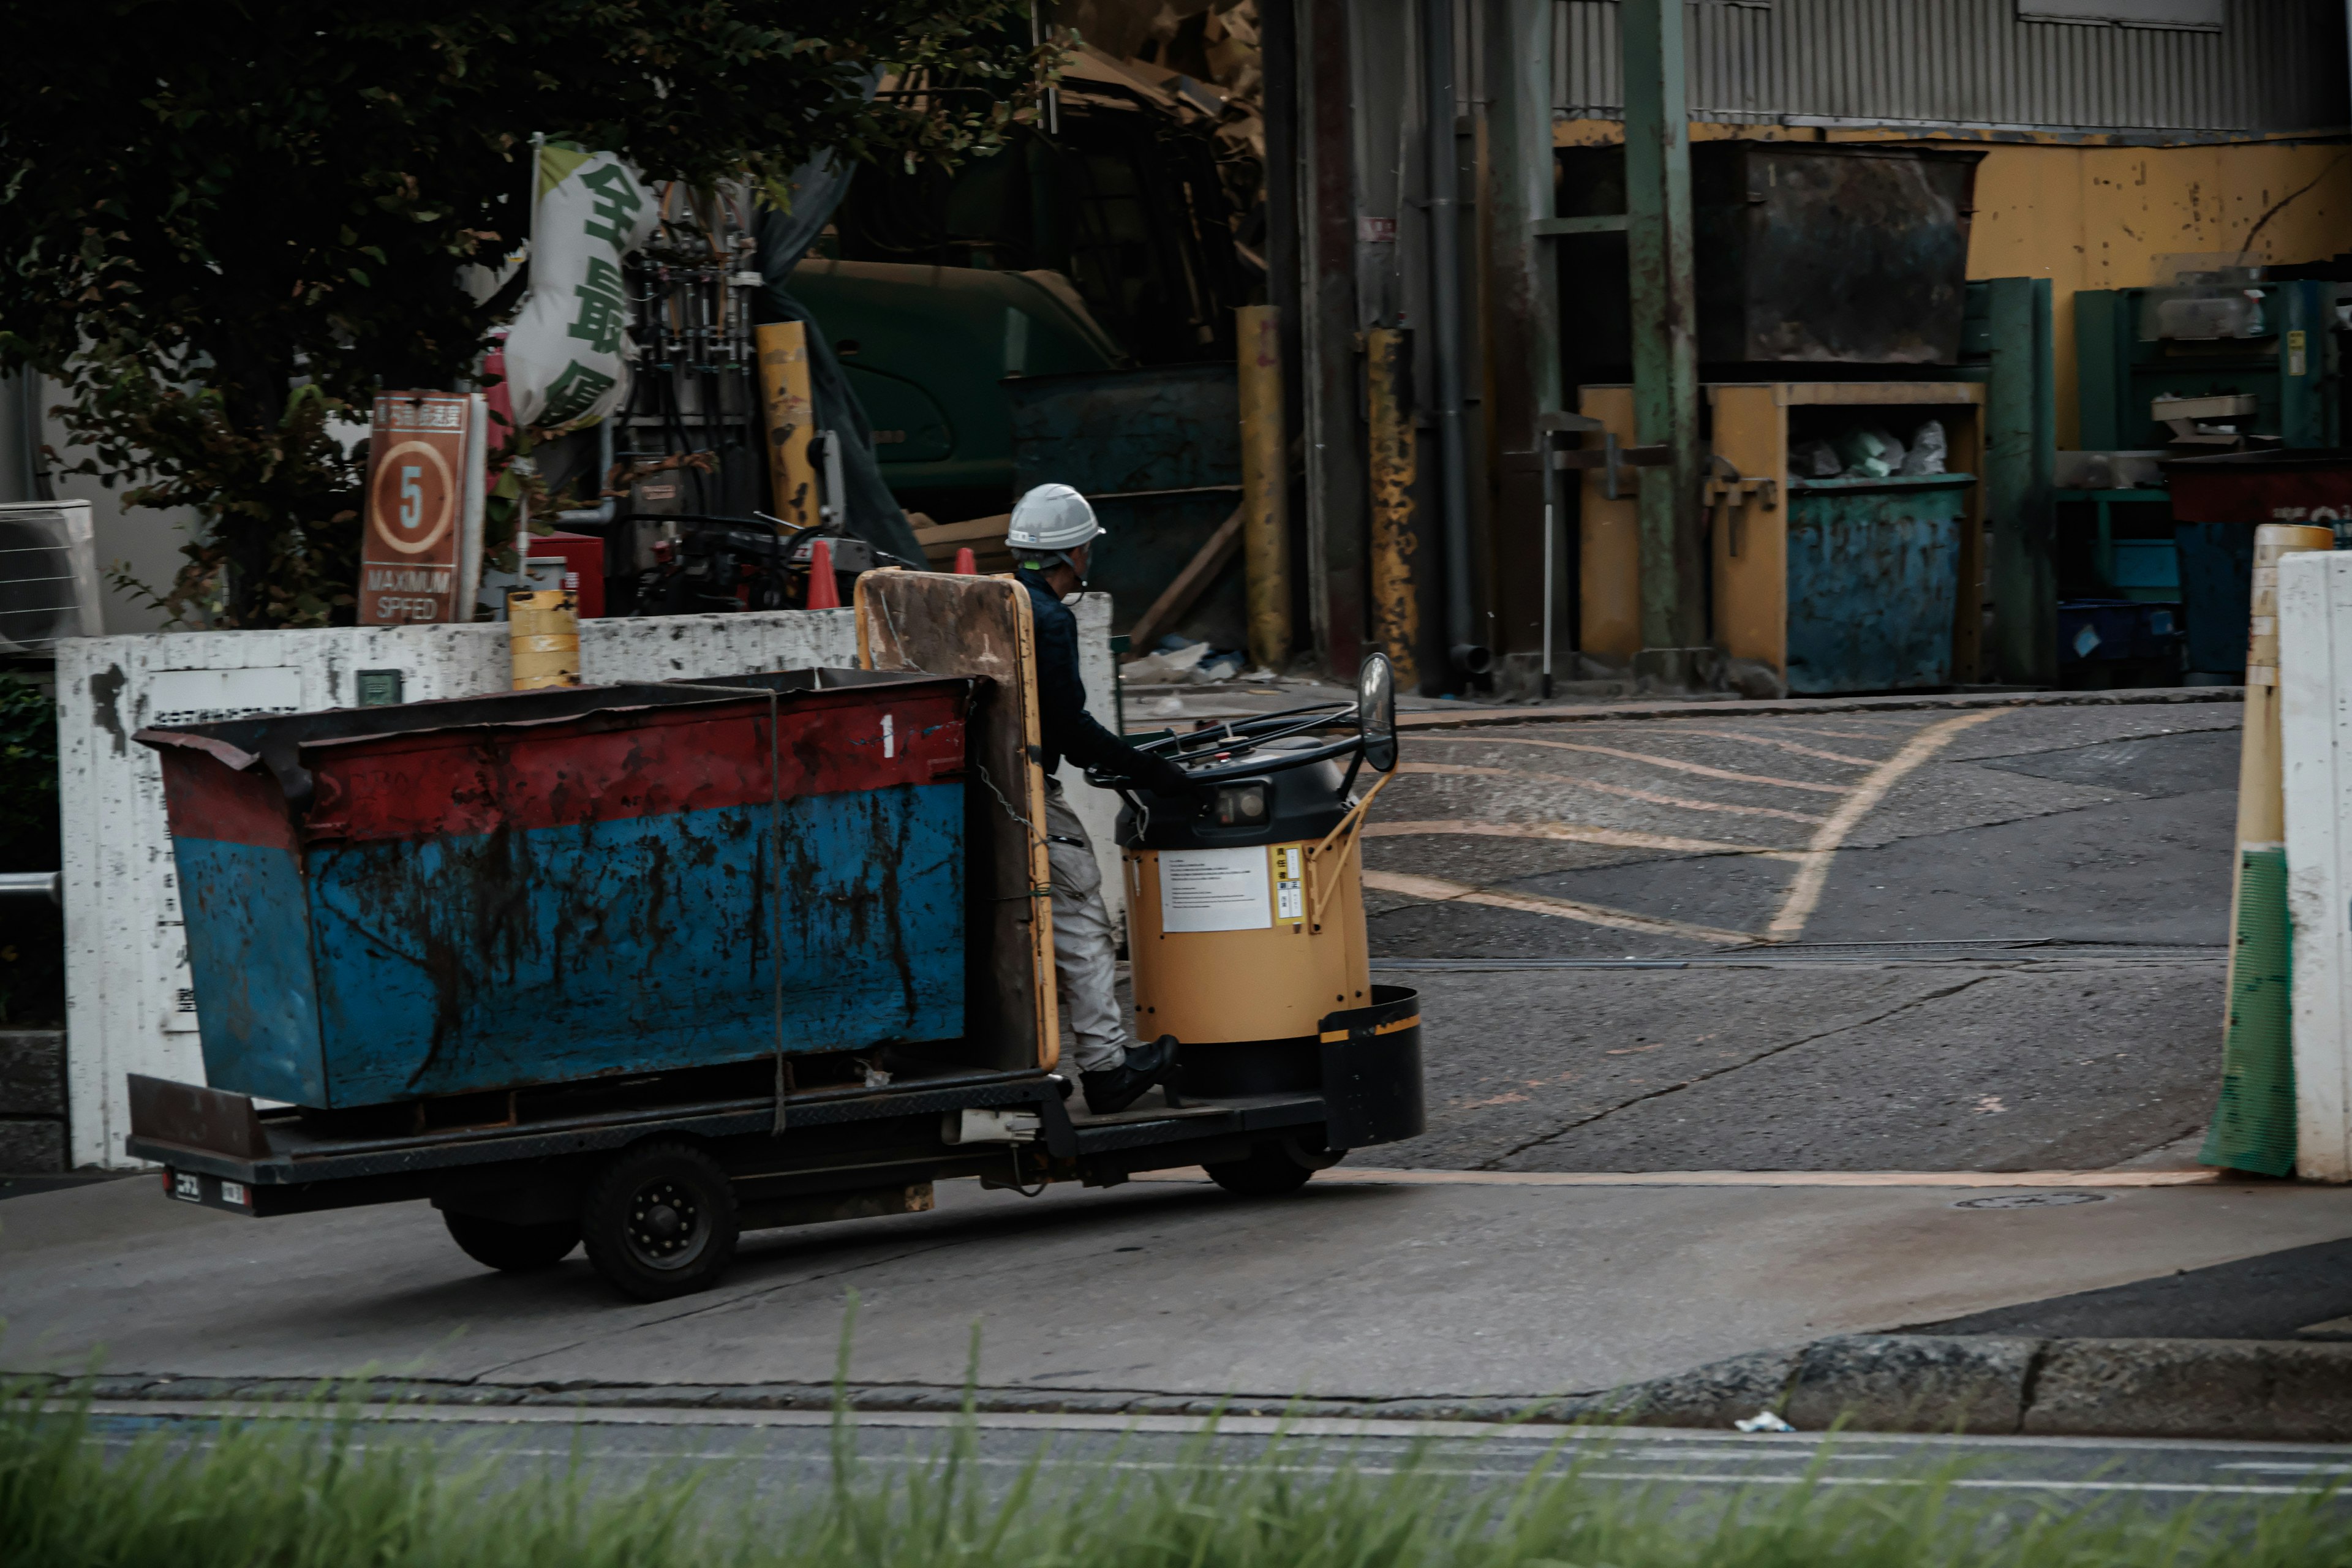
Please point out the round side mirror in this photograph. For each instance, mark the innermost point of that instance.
(1376, 711)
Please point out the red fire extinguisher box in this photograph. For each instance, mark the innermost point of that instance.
(583, 566)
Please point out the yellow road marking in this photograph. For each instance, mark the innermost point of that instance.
(1439, 891)
(1813, 868)
(1617, 837)
(1453, 770)
(1701, 769)
(1371, 1176)
(1784, 745)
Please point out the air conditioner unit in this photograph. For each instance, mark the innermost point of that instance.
(49, 575)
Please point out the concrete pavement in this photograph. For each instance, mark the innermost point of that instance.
(1361, 1290)
(1856, 885)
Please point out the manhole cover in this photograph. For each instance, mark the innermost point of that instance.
(2030, 1200)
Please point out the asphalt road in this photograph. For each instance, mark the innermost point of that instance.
(777, 1456)
(1926, 940)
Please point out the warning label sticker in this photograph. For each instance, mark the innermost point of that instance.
(1214, 889)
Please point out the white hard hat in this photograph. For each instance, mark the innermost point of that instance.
(1052, 517)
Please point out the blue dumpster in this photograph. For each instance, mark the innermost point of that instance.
(386, 904)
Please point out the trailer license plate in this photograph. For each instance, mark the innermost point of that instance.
(212, 1191)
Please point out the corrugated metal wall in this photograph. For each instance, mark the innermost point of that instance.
(2276, 65)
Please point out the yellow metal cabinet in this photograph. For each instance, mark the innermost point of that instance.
(1748, 503)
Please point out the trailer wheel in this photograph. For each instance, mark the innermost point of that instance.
(660, 1220)
(1270, 1172)
(516, 1249)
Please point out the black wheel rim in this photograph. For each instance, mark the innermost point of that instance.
(665, 1226)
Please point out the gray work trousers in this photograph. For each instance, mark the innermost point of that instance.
(1085, 946)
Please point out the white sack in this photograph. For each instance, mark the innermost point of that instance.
(568, 353)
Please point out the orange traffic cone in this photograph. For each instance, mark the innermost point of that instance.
(967, 563)
(824, 593)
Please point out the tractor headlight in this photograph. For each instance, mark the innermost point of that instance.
(1242, 805)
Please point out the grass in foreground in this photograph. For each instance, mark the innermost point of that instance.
(311, 1494)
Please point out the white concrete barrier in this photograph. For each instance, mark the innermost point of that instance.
(2315, 632)
(130, 1006)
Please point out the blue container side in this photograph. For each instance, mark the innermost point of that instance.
(248, 935)
(458, 964)
(1873, 574)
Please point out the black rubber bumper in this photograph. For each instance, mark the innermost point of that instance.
(1371, 1071)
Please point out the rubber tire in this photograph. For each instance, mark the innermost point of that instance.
(1268, 1173)
(516, 1249)
(625, 1258)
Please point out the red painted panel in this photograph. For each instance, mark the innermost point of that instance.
(583, 566)
(2281, 486)
(648, 763)
(206, 798)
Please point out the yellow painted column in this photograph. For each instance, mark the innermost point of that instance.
(791, 420)
(543, 638)
(1265, 490)
(1395, 460)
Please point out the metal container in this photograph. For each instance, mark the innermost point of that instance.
(1843, 255)
(2117, 631)
(2217, 504)
(2293, 485)
(386, 904)
(1158, 452)
(1811, 253)
(1873, 574)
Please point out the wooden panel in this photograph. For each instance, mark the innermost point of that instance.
(981, 627)
(1609, 582)
(1751, 589)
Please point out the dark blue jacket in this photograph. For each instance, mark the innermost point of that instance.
(1064, 726)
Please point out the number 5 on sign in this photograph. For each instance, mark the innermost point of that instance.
(421, 549)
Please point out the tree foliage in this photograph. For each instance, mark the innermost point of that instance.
(224, 224)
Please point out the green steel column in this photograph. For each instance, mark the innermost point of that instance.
(2020, 441)
(1519, 152)
(1665, 337)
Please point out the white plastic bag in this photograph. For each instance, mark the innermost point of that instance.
(1870, 453)
(568, 353)
(1815, 460)
(1928, 450)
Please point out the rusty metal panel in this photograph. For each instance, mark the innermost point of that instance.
(1873, 577)
(391, 903)
(1850, 254)
(2275, 65)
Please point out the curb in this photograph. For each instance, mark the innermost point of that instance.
(2130, 697)
(1985, 1384)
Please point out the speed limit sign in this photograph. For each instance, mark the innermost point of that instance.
(416, 508)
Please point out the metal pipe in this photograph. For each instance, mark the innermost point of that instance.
(1469, 655)
(1658, 248)
(49, 885)
(1396, 601)
(603, 513)
(1265, 488)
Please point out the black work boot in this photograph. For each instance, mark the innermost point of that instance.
(1116, 1089)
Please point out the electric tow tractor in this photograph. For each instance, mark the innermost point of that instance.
(640, 967)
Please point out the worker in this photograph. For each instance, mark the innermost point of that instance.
(1052, 539)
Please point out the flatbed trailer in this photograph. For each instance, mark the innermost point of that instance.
(512, 1189)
